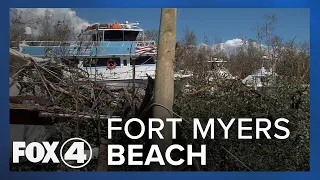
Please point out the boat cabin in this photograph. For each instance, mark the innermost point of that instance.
(112, 32)
(120, 43)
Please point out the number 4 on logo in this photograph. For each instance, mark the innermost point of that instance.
(76, 153)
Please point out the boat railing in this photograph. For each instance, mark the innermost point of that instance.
(57, 43)
(80, 43)
(146, 43)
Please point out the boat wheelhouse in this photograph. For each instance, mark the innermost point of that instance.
(105, 51)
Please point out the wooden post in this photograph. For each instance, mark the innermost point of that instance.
(164, 83)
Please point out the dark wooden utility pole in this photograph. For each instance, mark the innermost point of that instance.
(164, 81)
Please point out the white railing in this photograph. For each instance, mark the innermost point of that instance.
(146, 43)
(82, 43)
(57, 43)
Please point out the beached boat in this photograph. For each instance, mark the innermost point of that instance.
(108, 52)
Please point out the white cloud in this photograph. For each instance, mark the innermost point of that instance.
(32, 14)
(230, 46)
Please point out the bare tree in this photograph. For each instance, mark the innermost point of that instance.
(294, 61)
(62, 31)
(18, 23)
(149, 35)
(46, 26)
(218, 50)
(189, 38)
(186, 53)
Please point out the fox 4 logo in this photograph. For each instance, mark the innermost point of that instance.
(36, 152)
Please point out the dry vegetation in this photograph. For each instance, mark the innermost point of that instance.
(288, 99)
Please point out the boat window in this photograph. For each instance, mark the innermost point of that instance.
(100, 62)
(125, 62)
(144, 60)
(115, 35)
(94, 38)
(130, 35)
(100, 36)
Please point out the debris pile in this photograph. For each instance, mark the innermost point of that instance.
(76, 106)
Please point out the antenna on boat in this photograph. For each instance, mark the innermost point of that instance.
(143, 36)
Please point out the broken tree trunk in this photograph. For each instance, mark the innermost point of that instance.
(103, 155)
(164, 84)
